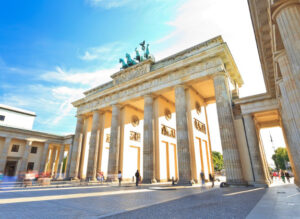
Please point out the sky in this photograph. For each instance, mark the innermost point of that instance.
(52, 51)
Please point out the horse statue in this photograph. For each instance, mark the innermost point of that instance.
(124, 65)
(147, 53)
(138, 56)
(130, 61)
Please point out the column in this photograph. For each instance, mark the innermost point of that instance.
(24, 161)
(287, 16)
(4, 153)
(67, 171)
(292, 135)
(255, 155)
(94, 147)
(52, 161)
(76, 148)
(149, 143)
(60, 161)
(114, 145)
(231, 155)
(44, 157)
(183, 147)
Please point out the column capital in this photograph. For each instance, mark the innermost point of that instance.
(277, 7)
(148, 95)
(185, 87)
(118, 105)
(219, 74)
(29, 142)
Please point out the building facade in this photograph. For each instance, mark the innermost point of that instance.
(23, 149)
(152, 117)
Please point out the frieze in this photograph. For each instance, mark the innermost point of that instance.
(200, 126)
(165, 80)
(168, 131)
(135, 136)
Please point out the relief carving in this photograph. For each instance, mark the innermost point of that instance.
(135, 136)
(200, 126)
(168, 131)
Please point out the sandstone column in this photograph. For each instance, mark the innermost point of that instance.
(257, 164)
(24, 161)
(60, 161)
(292, 134)
(183, 147)
(149, 147)
(231, 154)
(286, 13)
(44, 157)
(76, 149)
(4, 153)
(52, 160)
(114, 145)
(94, 147)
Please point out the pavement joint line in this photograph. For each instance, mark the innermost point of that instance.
(157, 203)
(54, 189)
(68, 196)
(246, 191)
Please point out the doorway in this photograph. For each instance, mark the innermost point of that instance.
(10, 168)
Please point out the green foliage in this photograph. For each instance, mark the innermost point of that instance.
(280, 158)
(64, 164)
(217, 160)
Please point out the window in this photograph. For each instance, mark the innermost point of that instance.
(2, 118)
(15, 148)
(33, 150)
(30, 166)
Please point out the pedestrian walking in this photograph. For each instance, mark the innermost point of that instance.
(287, 176)
(202, 178)
(212, 179)
(137, 177)
(282, 175)
(120, 177)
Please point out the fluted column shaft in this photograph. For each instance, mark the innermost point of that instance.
(287, 16)
(148, 149)
(76, 148)
(292, 134)
(60, 161)
(254, 150)
(183, 147)
(114, 145)
(231, 154)
(94, 146)
(44, 157)
(24, 160)
(4, 154)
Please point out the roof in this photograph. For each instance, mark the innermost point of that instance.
(18, 110)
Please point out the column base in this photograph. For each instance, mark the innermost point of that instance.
(185, 183)
(149, 181)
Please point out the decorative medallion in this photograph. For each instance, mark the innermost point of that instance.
(107, 139)
(168, 114)
(135, 121)
(198, 107)
(135, 136)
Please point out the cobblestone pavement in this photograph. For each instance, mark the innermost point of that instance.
(155, 201)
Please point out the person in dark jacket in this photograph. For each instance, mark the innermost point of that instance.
(137, 177)
(212, 179)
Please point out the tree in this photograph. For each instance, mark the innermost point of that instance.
(280, 158)
(217, 160)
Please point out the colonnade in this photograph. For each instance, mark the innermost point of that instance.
(183, 138)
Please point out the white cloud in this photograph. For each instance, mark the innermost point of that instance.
(108, 3)
(88, 78)
(199, 20)
(107, 53)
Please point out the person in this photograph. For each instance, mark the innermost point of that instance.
(202, 178)
(274, 175)
(120, 177)
(287, 176)
(137, 177)
(1, 176)
(282, 175)
(212, 179)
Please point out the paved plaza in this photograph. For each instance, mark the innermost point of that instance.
(148, 201)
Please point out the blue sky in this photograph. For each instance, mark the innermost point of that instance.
(52, 51)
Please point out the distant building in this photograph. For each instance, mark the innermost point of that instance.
(14, 117)
(23, 149)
